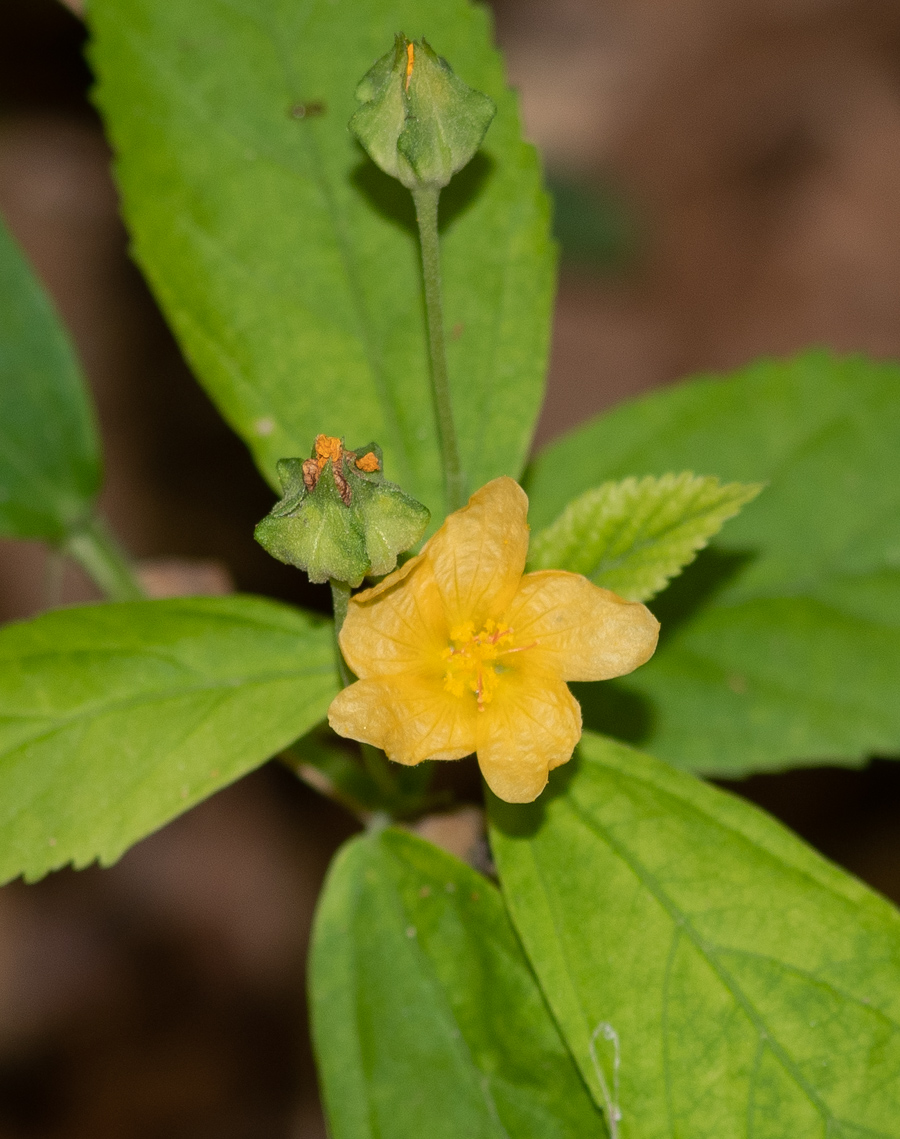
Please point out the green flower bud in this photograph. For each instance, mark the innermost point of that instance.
(419, 122)
(339, 519)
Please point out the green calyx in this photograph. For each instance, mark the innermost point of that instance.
(418, 121)
(339, 519)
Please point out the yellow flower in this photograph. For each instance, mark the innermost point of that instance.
(459, 650)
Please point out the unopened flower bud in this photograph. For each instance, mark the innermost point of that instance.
(419, 122)
(339, 519)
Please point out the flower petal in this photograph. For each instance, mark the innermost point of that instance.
(479, 553)
(398, 626)
(408, 718)
(582, 632)
(531, 726)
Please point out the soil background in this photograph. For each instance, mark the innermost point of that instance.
(727, 179)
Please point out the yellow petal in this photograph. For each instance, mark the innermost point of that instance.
(581, 632)
(531, 726)
(479, 553)
(409, 719)
(398, 626)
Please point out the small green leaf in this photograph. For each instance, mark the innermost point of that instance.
(427, 1020)
(49, 460)
(730, 979)
(633, 536)
(779, 644)
(116, 718)
(288, 264)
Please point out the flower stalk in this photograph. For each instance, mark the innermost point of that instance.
(95, 549)
(426, 202)
(421, 124)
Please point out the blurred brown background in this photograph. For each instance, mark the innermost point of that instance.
(727, 178)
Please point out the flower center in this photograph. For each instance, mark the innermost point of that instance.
(473, 659)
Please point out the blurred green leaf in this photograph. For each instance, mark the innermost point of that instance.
(427, 1019)
(592, 223)
(633, 536)
(287, 262)
(49, 460)
(116, 718)
(731, 980)
(335, 767)
(779, 644)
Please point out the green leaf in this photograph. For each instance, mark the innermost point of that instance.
(49, 461)
(779, 644)
(116, 718)
(288, 264)
(427, 1020)
(746, 986)
(633, 536)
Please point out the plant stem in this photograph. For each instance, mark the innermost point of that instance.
(101, 557)
(426, 202)
(54, 572)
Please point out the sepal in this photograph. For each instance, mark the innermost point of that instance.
(339, 519)
(418, 121)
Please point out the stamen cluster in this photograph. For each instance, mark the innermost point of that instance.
(473, 660)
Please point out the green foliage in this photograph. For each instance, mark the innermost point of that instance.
(633, 536)
(592, 224)
(752, 987)
(116, 718)
(426, 1017)
(288, 264)
(49, 462)
(780, 642)
(686, 962)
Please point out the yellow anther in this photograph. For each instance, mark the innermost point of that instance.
(462, 633)
(368, 463)
(410, 60)
(328, 447)
(473, 660)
